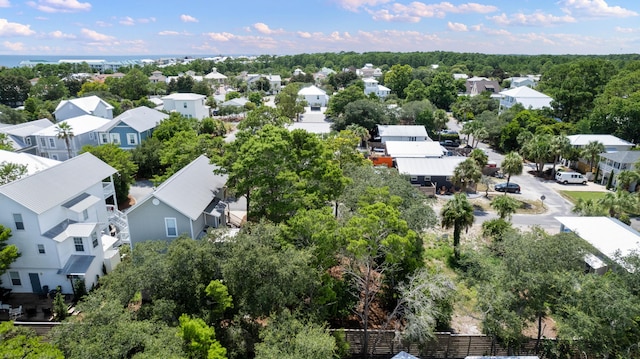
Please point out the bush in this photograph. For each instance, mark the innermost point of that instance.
(59, 307)
(495, 228)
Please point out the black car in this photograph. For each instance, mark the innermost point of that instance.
(503, 187)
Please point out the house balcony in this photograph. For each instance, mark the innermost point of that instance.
(109, 189)
(118, 225)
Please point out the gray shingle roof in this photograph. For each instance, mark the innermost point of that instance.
(58, 184)
(140, 119)
(622, 156)
(191, 189)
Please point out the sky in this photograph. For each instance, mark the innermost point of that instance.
(277, 27)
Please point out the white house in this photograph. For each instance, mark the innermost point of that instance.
(402, 133)
(90, 105)
(371, 85)
(190, 105)
(615, 162)
(611, 143)
(315, 96)
(21, 136)
(215, 77)
(32, 163)
(84, 133)
(185, 204)
(527, 97)
(275, 81)
(63, 227)
(369, 71)
(612, 240)
(422, 149)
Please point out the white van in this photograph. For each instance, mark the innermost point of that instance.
(570, 177)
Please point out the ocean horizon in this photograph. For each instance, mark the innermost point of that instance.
(14, 60)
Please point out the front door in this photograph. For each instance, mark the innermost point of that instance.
(35, 282)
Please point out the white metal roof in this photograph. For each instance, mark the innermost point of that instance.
(401, 130)
(27, 128)
(312, 90)
(87, 104)
(608, 235)
(183, 97)
(606, 140)
(311, 127)
(414, 149)
(34, 163)
(528, 97)
(443, 166)
(140, 119)
(190, 190)
(79, 125)
(57, 184)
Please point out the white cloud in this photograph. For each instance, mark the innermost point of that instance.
(304, 34)
(595, 8)
(188, 18)
(173, 33)
(103, 24)
(625, 30)
(264, 29)
(96, 36)
(220, 36)
(456, 26)
(354, 5)
(14, 29)
(147, 20)
(127, 21)
(417, 10)
(61, 35)
(14, 46)
(5, 3)
(54, 6)
(536, 19)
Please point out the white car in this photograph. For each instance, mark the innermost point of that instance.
(570, 177)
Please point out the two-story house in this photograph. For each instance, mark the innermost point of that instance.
(131, 127)
(21, 136)
(215, 77)
(84, 133)
(526, 96)
(611, 144)
(190, 105)
(369, 71)
(402, 133)
(371, 85)
(62, 225)
(614, 163)
(314, 96)
(90, 105)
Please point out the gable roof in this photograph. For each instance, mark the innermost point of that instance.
(140, 119)
(312, 90)
(606, 140)
(190, 190)
(184, 97)
(34, 163)
(27, 128)
(86, 104)
(401, 130)
(443, 166)
(524, 92)
(58, 184)
(79, 125)
(622, 156)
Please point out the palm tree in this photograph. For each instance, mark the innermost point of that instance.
(65, 132)
(479, 134)
(479, 156)
(619, 202)
(591, 151)
(457, 213)
(511, 165)
(361, 132)
(440, 121)
(560, 146)
(538, 149)
(466, 172)
(626, 178)
(588, 208)
(505, 206)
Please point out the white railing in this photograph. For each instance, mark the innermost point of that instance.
(119, 220)
(108, 189)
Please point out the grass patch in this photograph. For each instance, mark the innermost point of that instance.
(573, 196)
(526, 206)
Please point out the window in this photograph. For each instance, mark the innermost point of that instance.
(104, 138)
(85, 214)
(115, 138)
(132, 139)
(413, 178)
(94, 239)
(52, 143)
(77, 241)
(171, 226)
(41, 249)
(17, 218)
(184, 105)
(28, 141)
(413, 138)
(43, 142)
(54, 157)
(15, 278)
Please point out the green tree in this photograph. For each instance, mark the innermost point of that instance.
(256, 97)
(457, 213)
(588, 207)
(122, 161)
(49, 88)
(416, 91)
(361, 132)
(288, 102)
(619, 202)
(440, 119)
(479, 156)
(398, 78)
(591, 151)
(505, 206)
(65, 132)
(365, 113)
(286, 337)
(262, 84)
(625, 178)
(338, 102)
(8, 252)
(538, 149)
(173, 124)
(511, 165)
(466, 173)
(218, 293)
(60, 308)
(14, 90)
(202, 88)
(90, 87)
(199, 340)
(147, 157)
(24, 343)
(10, 172)
(560, 147)
(261, 116)
(442, 91)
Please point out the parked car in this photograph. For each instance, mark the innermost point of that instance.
(570, 177)
(449, 143)
(511, 187)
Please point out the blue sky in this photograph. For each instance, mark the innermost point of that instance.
(143, 27)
